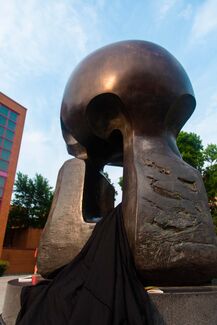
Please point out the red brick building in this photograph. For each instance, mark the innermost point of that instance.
(12, 118)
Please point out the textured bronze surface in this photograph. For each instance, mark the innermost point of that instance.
(124, 105)
(66, 231)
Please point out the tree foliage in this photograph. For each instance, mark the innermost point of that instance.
(109, 180)
(205, 160)
(120, 182)
(18, 217)
(191, 149)
(210, 154)
(31, 203)
(210, 182)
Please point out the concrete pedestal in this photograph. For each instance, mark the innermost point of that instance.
(11, 306)
(187, 305)
(177, 305)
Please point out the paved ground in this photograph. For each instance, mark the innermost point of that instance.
(3, 285)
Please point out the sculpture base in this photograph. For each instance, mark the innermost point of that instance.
(177, 305)
(11, 306)
(187, 305)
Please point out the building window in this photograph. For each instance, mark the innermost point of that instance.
(8, 120)
(2, 130)
(3, 165)
(13, 116)
(7, 144)
(2, 181)
(5, 155)
(11, 125)
(2, 120)
(2, 184)
(9, 135)
(4, 110)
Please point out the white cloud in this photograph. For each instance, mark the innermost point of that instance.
(186, 12)
(205, 123)
(165, 6)
(212, 107)
(205, 20)
(37, 37)
(40, 43)
(100, 3)
(206, 128)
(43, 152)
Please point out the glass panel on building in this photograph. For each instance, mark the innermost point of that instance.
(1, 130)
(1, 141)
(9, 135)
(1, 191)
(13, 116)
(5, 154)
(2, 181)
(3, 110)
(11, 125)
(2, 120)
(3, 165)
(7, 144)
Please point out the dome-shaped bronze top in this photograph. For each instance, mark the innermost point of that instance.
(131, 82)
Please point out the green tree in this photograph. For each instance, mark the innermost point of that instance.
(18, 217)
(210, 182)
(120, 182)
(191, 149)
(107, 176)
(109, 180)
(210, 154)
(31, 203)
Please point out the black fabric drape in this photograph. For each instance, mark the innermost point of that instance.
(99, 287)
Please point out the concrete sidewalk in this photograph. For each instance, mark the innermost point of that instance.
(3, 284)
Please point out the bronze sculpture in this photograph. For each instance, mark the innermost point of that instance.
(124, 105)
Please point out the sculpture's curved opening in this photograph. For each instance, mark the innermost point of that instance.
(98, 194)
(116, 143)
(105, 119)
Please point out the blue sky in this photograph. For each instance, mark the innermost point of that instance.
(42, 41)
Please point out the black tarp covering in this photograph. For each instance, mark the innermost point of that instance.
(99, 287)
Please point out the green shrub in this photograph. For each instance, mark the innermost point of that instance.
(3, 266)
